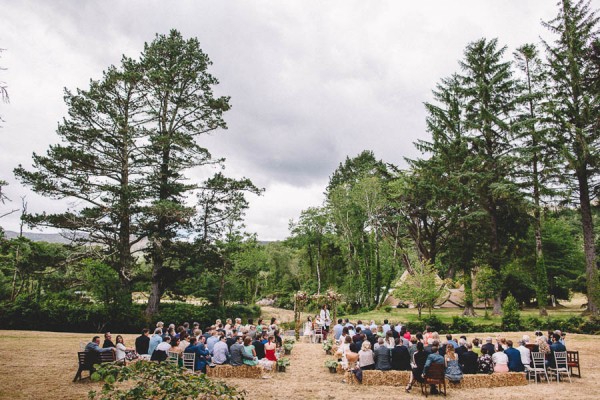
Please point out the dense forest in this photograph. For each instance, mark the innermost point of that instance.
(503, 200)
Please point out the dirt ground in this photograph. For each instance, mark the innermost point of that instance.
(41, 365)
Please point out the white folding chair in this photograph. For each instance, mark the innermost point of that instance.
(318, 335)
(539, 367)
(173, 358)
(189, 361)
(561, 365)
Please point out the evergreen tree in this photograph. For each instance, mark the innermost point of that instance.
(99, 165)
(574, 109)
(488, 89)
(181, 106)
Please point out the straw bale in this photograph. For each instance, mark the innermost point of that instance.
(490, 381)
(228, 371)
(386, 378)
(401, 378)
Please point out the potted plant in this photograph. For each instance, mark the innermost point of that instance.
(282, 363)
(332, 365)
(327, 346)
(287, 348)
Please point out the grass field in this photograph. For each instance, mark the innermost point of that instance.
(41, 365)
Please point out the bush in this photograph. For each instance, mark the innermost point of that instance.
(462, 325)
(435, 323)
(74, 316)
(153, 380)
(388, 309)
(511, 318)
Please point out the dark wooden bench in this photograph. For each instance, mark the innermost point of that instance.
(87, 359)
(573, 362)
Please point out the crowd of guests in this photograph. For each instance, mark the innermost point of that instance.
(230, 343)
(367, 346)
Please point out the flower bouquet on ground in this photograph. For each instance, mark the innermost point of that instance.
(328, 345)
(282, 363)
(332, 365)
(287, 348)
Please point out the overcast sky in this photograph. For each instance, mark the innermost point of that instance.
(311, 82)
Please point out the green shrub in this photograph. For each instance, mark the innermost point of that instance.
(435, 323)
(511, 318)
(153, 380)
(462, 325)
(388, 309)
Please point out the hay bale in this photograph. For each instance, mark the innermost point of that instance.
(228, 371)
(386, 378)
(490, 381)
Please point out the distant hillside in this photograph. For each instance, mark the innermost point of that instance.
(41, 237)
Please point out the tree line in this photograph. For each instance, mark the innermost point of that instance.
(503, 197)
(513, 151)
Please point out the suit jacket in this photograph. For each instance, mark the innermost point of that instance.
(382, 358)
(141, 344)
(514, 360)
(201, 355)
(468, 361)
(558, 346)
(400, 358)
(238, 354)
(491, 349)
(460, 350)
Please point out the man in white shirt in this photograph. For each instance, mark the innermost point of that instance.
(525, 353)
(221, 351)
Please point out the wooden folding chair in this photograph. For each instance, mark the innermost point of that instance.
(436, 375)
(573, 362)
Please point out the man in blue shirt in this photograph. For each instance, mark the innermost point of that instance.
(433, 358)
(556, 346)
(155, 340)
(202, 354)
(337, 329)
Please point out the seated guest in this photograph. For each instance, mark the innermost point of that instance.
(259, 347)
(453, 372)
(468, 360)
(451, 341)
(337, 329)
(107, 341)
(121, 351)
(514, 358)
(221, 351)
(500, 361)
(183, 340)
(250, 350)
(525, 353)
(542, 345)
(231, 339)
(270, 348)
(485, 362)
(175, 348)
(461, 347)
(201, 352)
(212, 339)
(475, 347)
(400, 357)
(155, 340)
(382, 357)
(365, 357)
(94, 346)
(357, 336)
(488, 346)
(142, 342)
(418, 360)
(308, 329)
(433, 358)
(389, 340)
(238, 354)
(413, 345)
(162, 350)
(556, 346)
